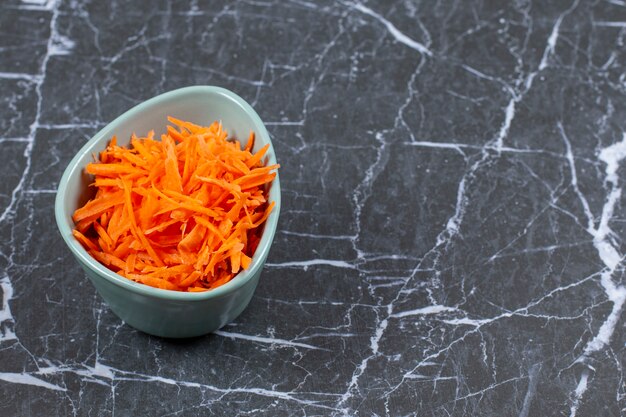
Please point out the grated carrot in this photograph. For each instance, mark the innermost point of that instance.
(183, 213)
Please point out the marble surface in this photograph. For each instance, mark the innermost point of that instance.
(452, 234)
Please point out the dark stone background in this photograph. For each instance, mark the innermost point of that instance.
(451, 240)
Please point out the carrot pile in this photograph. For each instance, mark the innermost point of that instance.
(183, 213)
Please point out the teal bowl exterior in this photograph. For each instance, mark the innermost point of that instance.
(156, 311)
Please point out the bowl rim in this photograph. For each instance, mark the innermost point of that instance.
(243, 277)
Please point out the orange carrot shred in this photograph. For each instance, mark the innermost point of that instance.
(184, 213)
(85, 241)
(250, 143)
(256, 158)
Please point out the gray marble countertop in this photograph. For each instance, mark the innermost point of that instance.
(452, 235)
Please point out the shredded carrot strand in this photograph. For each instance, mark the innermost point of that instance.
(184, 213)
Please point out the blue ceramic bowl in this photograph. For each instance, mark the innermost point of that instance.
(155, 311)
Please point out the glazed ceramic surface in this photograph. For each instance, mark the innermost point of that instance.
(156, 311)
